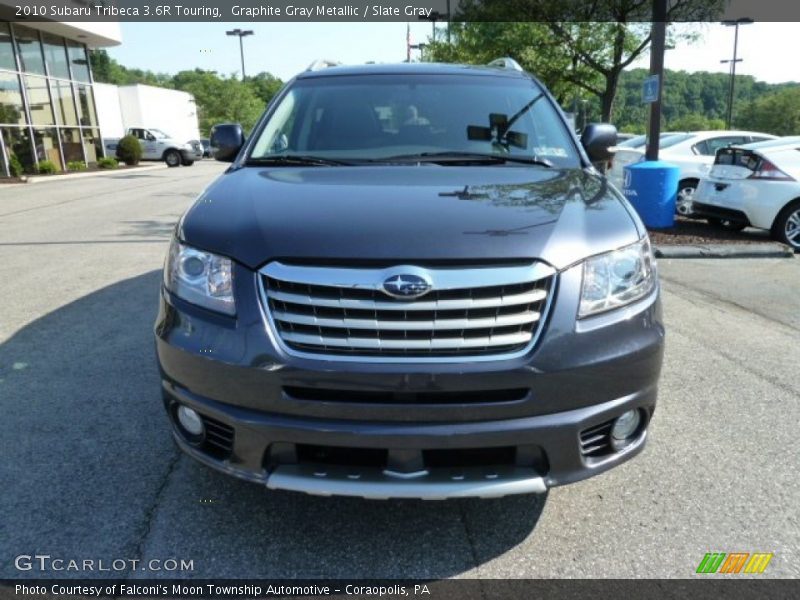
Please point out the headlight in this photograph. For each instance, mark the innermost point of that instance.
(200, 277)
(617, 278)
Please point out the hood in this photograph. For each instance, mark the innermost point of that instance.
(408, 214)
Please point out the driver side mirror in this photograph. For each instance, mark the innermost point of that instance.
(597, 139)
(226, 141)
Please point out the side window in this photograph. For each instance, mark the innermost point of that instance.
(758, 138)
(715, 144)
(701, 148)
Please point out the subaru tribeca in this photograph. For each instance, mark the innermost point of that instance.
(411, 283)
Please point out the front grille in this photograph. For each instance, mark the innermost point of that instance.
(596, 441)
(218, 441)
(469, 312)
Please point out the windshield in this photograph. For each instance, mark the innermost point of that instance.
(352, 118)
(159, 135)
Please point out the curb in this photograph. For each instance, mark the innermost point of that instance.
(56, 178)
(765, 250)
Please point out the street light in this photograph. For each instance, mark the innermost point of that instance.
(735, 24)
(421, 47)
(241, 33)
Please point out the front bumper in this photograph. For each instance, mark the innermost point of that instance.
(418, 430)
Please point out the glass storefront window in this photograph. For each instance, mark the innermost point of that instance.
(55, 53)
(11, 109)
(71, 144)
(86, 101)
(30, 49)
(18, 144)
(64, 102)
(39, 101)
(92, 145)
(6, 49)
(79, 60)
(46, 144)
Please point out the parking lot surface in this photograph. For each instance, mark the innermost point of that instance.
(89, 470)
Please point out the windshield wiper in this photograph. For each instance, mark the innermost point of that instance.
(467, 157)
(294, 160)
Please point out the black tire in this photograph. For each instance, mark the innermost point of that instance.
(686, 190)
(726, 224)
(172, 158)
(786, 228)
(187, 162)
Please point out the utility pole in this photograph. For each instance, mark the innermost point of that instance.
(241, 34)
(657, 47)
(735, 24)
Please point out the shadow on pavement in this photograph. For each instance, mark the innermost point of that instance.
(89, 471)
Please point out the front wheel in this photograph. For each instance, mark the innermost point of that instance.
(686, 190)
(726, 224)
(787, 225)
(172, 158)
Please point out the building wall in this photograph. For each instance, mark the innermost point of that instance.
(109, 111)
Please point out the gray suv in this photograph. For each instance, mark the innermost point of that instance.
(411, 283)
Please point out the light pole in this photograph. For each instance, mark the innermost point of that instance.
(735, 24)
(241, 34)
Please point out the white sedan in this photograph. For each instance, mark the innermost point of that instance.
(755, 185)
(693, 152)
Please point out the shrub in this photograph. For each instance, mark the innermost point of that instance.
(107, 163)
(15, 166)
(129, 150)
(76, 165)
(47, 167)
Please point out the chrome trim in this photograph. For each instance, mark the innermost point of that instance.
(454, 343)
(438, 484)
(442, 279)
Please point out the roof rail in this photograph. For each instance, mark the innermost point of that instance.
(506, 63)
(322, 63)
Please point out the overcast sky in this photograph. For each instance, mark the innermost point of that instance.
(286, 48)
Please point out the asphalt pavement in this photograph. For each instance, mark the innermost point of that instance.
(89, 471)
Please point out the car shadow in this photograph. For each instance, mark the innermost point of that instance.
(93, 473)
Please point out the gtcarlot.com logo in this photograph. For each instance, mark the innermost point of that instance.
(48, 563)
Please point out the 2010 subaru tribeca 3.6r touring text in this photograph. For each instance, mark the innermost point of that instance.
(411, 282)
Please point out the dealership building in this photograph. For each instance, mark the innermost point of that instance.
(47, 104)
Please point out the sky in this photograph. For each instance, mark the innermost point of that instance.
(284, 49)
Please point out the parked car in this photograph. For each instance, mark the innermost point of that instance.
(755, 185)
(693, 152)
(206, 147)
(197, 147)
(157, 145)
(411, 283)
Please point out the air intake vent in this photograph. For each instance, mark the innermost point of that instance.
(218, 441)
(596, 441)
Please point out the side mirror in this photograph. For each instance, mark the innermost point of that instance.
(597, 138)
(226, 141)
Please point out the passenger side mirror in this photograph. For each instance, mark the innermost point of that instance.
(596, 139)
(226, 141)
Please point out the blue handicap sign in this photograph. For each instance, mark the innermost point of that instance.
(650, 89)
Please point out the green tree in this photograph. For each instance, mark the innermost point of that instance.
(265, 85)
(777, 113)
(585, 46)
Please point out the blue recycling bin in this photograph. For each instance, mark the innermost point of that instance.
(652, 188)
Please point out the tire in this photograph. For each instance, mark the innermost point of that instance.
(172, 158)
(686, 190)
(187, 163)
(726, 224)
(786, 228)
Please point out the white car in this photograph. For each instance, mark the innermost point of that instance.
(755, 185)
(693, 152)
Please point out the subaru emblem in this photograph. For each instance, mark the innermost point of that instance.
(407, 286)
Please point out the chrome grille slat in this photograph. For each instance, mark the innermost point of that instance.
(410, 325)
(455, 304)
(470, 312)
(406, 344)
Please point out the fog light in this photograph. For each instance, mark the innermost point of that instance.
(190, 421)
(626, 425)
